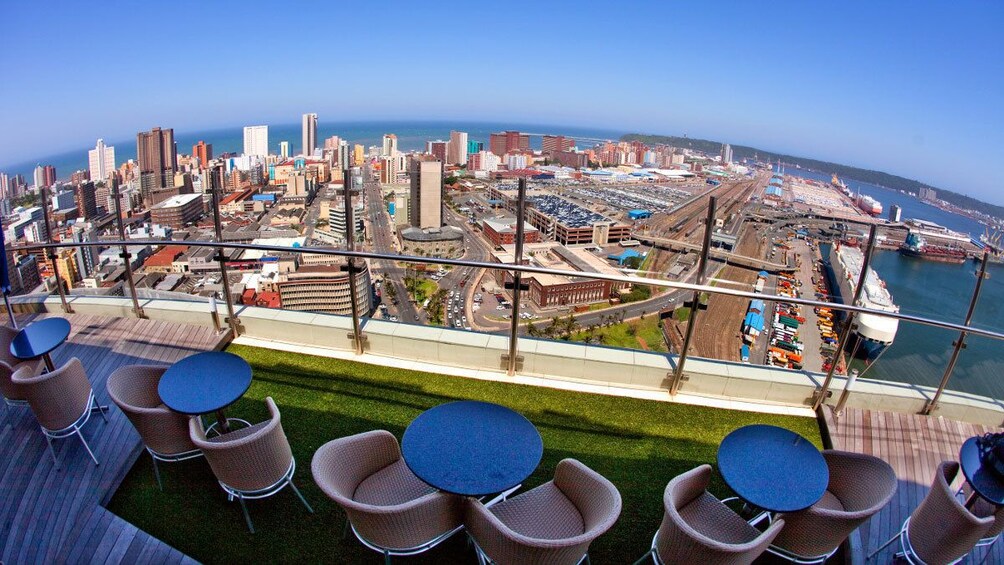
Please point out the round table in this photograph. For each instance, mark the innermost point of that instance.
(984, 480)
(773, 468)
(205, 382)
(38, 339)
(472, 448)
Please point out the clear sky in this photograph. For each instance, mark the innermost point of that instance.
(913, 89)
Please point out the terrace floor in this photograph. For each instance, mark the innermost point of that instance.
(50, 515)
(914, 446)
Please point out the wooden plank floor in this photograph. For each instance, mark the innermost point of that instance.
(914, 446)
(50, 515)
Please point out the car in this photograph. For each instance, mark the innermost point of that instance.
(416, 317)
(393, 318)
(456, 323)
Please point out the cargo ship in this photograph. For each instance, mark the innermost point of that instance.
(918, 247)
(869, 205)
(872, 334)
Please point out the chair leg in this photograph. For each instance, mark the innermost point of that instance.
(247, 517)
(52, 450)
(990, 549)
(100, 408)
(883, 546)
(156, 473)
(345, 528)
(87, 447)
(642, 558)
(303, 500)
(386, 557)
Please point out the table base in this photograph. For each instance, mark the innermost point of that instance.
(215, 428)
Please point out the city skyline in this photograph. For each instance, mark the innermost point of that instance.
(919, 101)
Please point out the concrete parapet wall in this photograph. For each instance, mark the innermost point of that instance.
(557, 360)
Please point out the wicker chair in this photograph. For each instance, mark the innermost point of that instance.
(860, 486)
(164, 432)
(699, 528)
(553, 523)
(61, 400)
(249, 463)
(12, 394)
(389, 509)
(941, 530)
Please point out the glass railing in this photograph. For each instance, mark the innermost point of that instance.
(688, 308)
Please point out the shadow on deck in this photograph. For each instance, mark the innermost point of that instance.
(57, 515)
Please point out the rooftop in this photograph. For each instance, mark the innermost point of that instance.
(177, 200)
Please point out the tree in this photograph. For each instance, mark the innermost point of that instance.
(531, 330)
(633, 262)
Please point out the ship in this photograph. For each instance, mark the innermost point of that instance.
(872, 334)
(837, 183)
(918, 247)
(869, 205)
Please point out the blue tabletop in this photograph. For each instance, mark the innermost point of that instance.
(984, 480)
(773, 468)
(204, 382)
(38, 338)
(472, 448)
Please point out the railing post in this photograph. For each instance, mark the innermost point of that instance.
(821, 394)
(514, 362)
(709, 224)
(125, 255)
(357, 337)
(48, 251)
(232, 320)
(960, 343)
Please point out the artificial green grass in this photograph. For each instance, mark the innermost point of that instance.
(639, 445)
(618, 335)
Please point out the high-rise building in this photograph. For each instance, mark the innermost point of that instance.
(284, 149)
(895, 213)
(101, 160)
(309, 134)
(928, 194)
(726, 154)
(86, 201)
(458, 148)
(426, 207)
(158, 160)
(388, 169)
(509, 141)
(389, 147)
(204, 152)
(256, 140)
(4, 186)
(474, 146)
(45, 176)
(438, 149)
(358, 155)
(553, 144)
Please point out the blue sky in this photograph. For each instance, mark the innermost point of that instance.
(914, 90)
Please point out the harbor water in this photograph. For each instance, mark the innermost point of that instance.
(939, 291)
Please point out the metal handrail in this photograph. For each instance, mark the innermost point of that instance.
(676, 285)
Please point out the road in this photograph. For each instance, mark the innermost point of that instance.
(384, 241)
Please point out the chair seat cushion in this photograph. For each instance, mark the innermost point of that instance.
(541, 513)
(392, 485)
(712, 519)
(830, 502)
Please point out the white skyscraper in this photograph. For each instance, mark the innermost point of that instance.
(309, 134)
(389, 145)
(256, 140)
(726, 154)
(284, 149)
(458, 148)
(102, 161)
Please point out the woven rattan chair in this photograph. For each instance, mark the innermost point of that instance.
(941, 530)
(389, 509)
(62, 401)
(699, 528)
(12, 394)
(860, 486)
(553, 523)
(249, 463)
(164, 432)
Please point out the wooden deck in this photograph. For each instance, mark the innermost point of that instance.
(50, 515)
(914, 445)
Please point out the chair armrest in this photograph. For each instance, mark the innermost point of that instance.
(595, 497)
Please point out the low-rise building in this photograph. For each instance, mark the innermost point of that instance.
(177, 210)
(502, 231)
(548, 291)
(325, 288)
